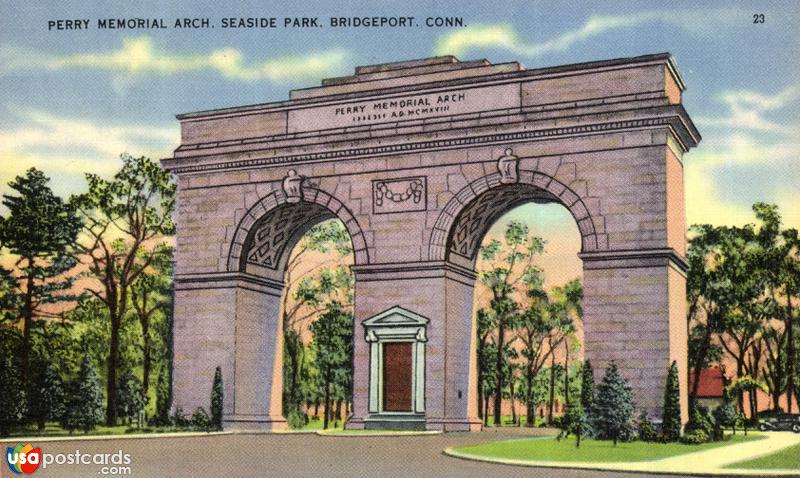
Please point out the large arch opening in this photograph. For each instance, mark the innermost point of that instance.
(522, 240)
(295, 333)
(542, 364)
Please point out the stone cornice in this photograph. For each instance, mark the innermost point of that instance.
(612, 259)
(677, 122)
(412, 270)
(227, 280)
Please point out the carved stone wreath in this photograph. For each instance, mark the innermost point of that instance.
(396, 195)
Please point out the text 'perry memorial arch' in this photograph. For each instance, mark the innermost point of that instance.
(418, 159)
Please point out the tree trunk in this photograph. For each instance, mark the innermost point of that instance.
(566, 371)
(790, 351)
(327, 411)
(739, 391)
(698, 363)
(113, 361)
(486, 410)
(145, 357)
(513, 402)
(530, 418)
(498, 389)
(552, 389)
(27, 313)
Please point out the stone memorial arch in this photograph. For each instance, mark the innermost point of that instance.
(418, 159)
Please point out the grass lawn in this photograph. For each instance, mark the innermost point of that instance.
(550, 449)
(53, 430)
(788, 458)
(317, 425)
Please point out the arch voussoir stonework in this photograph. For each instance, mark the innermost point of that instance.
(443, 227)
(276, 199)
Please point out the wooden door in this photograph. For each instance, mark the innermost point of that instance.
(397, 369)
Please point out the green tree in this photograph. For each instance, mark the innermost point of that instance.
(151, 295)
(715, 259)
(778, 257)
(587, 386)
(216, 400)
(129, 401)
(574, 422)
(671, 414)
(124, 219)
(510, 264)
(83, 409)
(163, 402)
(308, 292)
(46, 394)
(571, 296)
(39, 229)
(613, 407)
(485, 325)
(333, 339)
(12, 396)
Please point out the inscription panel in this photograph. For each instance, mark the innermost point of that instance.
(405, 107)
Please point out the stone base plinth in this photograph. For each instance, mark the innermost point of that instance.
(411, 421)
(254, 423)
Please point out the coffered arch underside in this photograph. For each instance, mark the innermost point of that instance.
(469, 214)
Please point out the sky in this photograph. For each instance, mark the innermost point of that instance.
(73, 101)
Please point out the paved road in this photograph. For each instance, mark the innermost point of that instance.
(300, 455)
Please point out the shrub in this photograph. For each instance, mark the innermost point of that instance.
(671, 425)
(200, 420)
(129, 396)
(179, 418)
(296, 419)
(162, 398)
(587, 386)
(12, 396)
(695, 437)
(84, 405)
(46, 397)
(612, 414)
(574, 422)
(646, 429)
(701, 419)
(216, 401)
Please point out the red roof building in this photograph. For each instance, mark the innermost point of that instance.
(711, 384)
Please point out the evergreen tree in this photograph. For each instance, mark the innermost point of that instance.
(333, 338)
(84, 405)
(12, 396)
(613, 407)
(587, 386)
(671, 415)
(129, 396)
(162, 396)
(40, 230)
(216, 401)
(46, 401)
(574, 422)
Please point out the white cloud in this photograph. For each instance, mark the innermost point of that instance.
(139, 56)
(504, 36)
(41, 130)
(65, 148)
(747, 111)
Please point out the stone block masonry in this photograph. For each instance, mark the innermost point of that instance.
(418, 159)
